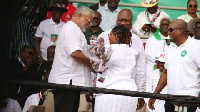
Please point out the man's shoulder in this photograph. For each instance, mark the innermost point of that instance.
(164, 13)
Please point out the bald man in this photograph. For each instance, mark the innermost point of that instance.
(182, 66)
(125, 18)
(95, 29)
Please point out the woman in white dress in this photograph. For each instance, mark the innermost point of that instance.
(119, 74)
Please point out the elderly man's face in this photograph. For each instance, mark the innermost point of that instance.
(85, 21)
(164, 25)
(125, 18)
(197, 30)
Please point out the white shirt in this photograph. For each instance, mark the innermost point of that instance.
(153, 49)
(65, 68)
(31, 100)
(141, 20)
(12, 106)
(187, 17)
(119, 73)
(44, 31)
(140, 68)
(183, 68)
(108, 18)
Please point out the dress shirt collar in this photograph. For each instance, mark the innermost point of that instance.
(21, 61)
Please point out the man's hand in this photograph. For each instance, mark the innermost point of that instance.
(146, 28)
(40, 59)
(140, 103)
(151, 103)
(88, 97)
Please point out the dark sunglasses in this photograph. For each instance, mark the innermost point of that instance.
(172, 29)
(195, 6)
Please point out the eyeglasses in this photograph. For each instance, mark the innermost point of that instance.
(164, 24)
(90, 22)
(172, 29)
(195, 6)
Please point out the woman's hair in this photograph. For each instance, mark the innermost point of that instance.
(123, 34)
(189, 1)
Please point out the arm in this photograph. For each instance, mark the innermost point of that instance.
(80, 57)
(161, 84)
(37, 48)
(141, 70)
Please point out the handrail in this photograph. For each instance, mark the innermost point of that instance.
(180, 100)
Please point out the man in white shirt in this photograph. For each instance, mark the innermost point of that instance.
(48, 30)
(182, 66)
(155, 46)
(109, 14)
(125, 18)
(71, 66)
(149, 20)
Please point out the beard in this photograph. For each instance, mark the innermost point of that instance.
(83, 28)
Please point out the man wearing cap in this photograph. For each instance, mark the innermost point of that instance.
(194, 27)
(48, 30)
(71, 66)
(148, 21)
(182, 66)
(66, 15)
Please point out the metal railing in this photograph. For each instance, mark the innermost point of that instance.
(180, 101)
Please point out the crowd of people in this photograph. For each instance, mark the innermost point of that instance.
(168, 64)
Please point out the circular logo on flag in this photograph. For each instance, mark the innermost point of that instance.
(183, 53)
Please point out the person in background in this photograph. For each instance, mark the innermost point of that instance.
(182, 66)
(71, 66)
(193, 26)
(149, 20)
(99, 5)
(155, 46)
(192, 6)
(6, 103)
(47, 30)
(19, 69)
(109, 14)
(94, 30)
(67, 15)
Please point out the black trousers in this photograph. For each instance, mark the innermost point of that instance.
(66, 100)
(169, 107)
